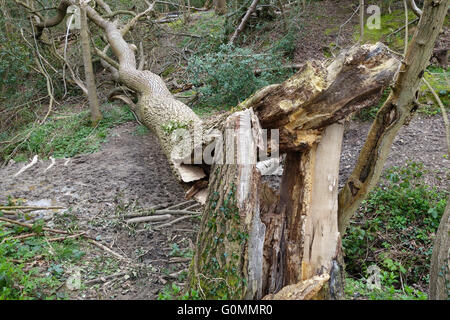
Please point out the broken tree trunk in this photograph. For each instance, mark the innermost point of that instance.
(255, 242)
(395, 112)
(156, 107)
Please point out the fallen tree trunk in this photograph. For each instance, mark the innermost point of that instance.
(156, 106)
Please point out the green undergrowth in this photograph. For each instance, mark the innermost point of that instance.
(226, 77)
(439, 79)
(358, 290)
(394, 230)
(63, 136)
(46, 265)
(34, 268)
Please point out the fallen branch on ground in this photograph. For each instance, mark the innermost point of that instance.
(168, 224)
(32, 163)
(110, 251)
(152, 218)
(73, 236)
(104, 279)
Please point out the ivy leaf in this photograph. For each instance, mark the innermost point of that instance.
(433, 212)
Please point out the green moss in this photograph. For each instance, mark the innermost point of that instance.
(221, 261)
(168, 71)
(389, 23)
(171, 126)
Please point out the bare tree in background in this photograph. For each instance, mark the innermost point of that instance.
(96, 115)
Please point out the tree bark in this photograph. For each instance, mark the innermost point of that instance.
(96, 115)
(395, 112)
(440, 260)
(220, 7)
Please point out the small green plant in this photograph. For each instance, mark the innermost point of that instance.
(173, 292)
(141, 130)
(178, 252)
(171, 126)
(23, 279)
(357, 289)
(395, 226)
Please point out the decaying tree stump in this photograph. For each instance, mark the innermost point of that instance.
(253, 241)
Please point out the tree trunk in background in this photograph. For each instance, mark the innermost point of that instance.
(396, 112)
(243, 22)
(361, 20)
(220, 7)
(440, 260)
(96, 115)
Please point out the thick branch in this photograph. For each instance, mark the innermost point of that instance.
(243, 22)
(412, 5)
(318, 95)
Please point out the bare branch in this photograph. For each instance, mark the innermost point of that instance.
(412, 5)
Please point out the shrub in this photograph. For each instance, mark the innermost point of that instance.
(227, 77)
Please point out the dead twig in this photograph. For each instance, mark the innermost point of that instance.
(168, 224)
(152, 218)
(30, 226)
(73, 236)
(104, 279)
(105, 248)
(23, 236)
